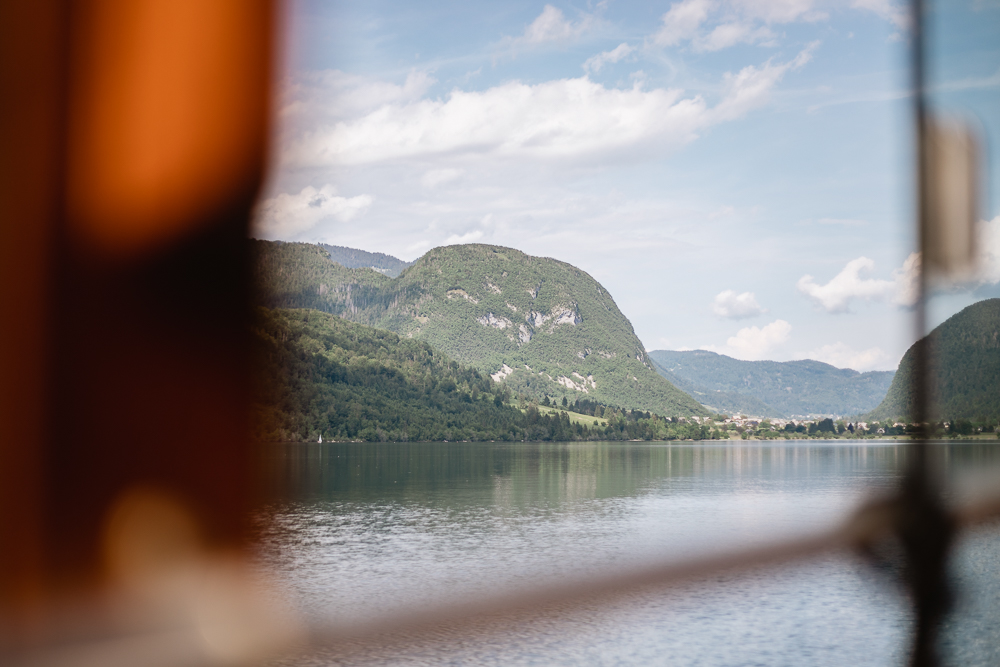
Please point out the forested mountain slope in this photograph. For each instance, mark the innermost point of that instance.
(542, 326)
(353, 258)
(775, 389)
(321, 375)
(964, 369)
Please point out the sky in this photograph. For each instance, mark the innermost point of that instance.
(737, 173)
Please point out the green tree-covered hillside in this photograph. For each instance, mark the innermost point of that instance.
(542, 326)
(773, 388)
(964, 369)
(319, 374)
(353, 258)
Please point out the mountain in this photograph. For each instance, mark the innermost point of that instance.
(321, 375)
(726, 402)
(772, 388)
(359, 259)
(542, 326)
(964, 369)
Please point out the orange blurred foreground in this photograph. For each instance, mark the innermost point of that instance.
(132, 145)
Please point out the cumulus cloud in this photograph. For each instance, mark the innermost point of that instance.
(902, 288)
(575, 119)
(287, 215)
(735, 306)
(564, 118)
(753, 343)
(682, 21)
(848, 285)
(844, 356)
(595, 63)
(906, 282)
(553, 26)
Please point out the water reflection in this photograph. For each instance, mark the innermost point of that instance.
(562, 472)
(363, 529)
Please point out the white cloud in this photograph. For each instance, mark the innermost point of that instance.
(595, 63)
(436, 177)
(836, 295)
(985, 270)
(711, 25)
(751, 87)
(562, 118)
(778, 11)
(552, 26)
(286, 215)
(735, 306)
(468, 237)
(988, 264)
(682, 21)
(906, 281)
(898, 14)
(730, 34)
(753, 343)
(902, 287)
(574, 119)
(843, 356)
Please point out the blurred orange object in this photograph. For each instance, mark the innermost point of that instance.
(132, 145)
(168, 105)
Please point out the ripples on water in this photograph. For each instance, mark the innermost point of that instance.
(365, 529)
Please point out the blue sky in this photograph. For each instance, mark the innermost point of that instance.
(736, 172)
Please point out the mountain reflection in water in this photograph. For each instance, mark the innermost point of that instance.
(359, 530)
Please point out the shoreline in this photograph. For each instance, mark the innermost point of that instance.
(895, 438)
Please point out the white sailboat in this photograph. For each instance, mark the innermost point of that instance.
(321, 438)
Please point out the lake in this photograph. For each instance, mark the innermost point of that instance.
(360, 530)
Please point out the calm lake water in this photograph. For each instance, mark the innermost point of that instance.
(360, 530)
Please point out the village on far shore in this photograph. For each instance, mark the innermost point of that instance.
(819, 426)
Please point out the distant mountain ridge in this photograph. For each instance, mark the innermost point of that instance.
(964, 369)
(772, 388)
(542, 326)
(353, 258)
